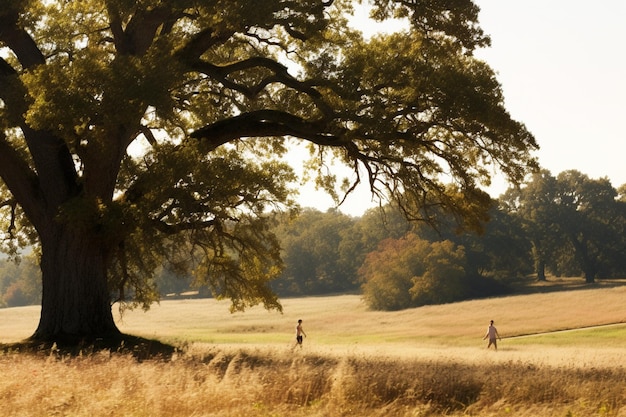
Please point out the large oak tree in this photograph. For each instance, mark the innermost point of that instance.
(211, 92)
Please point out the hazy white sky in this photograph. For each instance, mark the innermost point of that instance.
(562, 66)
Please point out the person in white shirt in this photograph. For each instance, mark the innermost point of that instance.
(492, 334)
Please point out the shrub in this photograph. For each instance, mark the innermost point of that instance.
(411, 272)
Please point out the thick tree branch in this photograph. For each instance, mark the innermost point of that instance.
(19, 41)
(140, 31)
(190, 55)
(115, 24)
(264, 123)
(280, 75)
(54, 167)
(144, 26)
(53, 161)
(200, 43)
(6, 69)
(15, 104)
(13, 171)
(12, 204)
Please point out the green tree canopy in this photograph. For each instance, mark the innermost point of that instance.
(313, 254)
(591, 221)
(575, 223)
(535, 206)
(212, 91)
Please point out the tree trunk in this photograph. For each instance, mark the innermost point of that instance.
(75, 302)
(540, 263)
(540, 266)
(587, 262)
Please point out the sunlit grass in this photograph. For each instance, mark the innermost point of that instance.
(346, 320)
(613, 336)
(18, 323)
(429, 361)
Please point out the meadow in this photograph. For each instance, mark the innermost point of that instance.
(562, 353)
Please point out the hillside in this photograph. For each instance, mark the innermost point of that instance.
(345, 320)
(355, 362)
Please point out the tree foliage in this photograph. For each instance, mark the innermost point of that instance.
(211, 92)
(19, 282)
(316, 255)
(411, 272)
(590, 221)
(575, 223)
(534, 205)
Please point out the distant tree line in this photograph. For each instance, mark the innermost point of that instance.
(20, 283)
(568, 225)
(575, 225)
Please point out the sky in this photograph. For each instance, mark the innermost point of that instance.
(562, 66)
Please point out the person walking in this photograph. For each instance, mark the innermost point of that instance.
(492, 334)
(299, 334)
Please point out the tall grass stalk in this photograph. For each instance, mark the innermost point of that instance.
(229, 381)
(426, 362)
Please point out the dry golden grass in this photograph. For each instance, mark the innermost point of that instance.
(231, 382)
(429, 361)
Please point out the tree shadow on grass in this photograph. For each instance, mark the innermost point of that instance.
(555, 284)
(138, 347)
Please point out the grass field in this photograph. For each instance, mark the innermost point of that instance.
(562, 354)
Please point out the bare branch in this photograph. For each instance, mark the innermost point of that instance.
(147, 133)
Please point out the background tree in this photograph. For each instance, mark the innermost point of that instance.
(411, 272)
(367, 231)
(621, 193)
(386, 274)
(443, 275)
(535, 206)
(169, 281)
(575, 223)
(590, 220)
(212, 91)
(619, 224)
(20, 283)
(312, 251)
(503, 251)
(500, 251)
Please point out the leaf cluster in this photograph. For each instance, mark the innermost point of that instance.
(411, 272)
